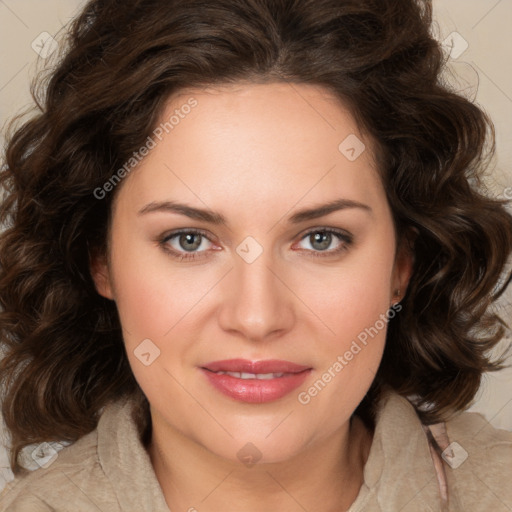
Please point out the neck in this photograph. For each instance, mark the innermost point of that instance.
(325, 477)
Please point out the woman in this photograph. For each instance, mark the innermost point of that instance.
(247, 266)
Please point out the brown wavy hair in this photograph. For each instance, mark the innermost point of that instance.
(63, 351)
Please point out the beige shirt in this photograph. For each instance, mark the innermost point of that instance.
(109, 470)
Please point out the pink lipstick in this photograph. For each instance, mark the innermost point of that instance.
(255, 381)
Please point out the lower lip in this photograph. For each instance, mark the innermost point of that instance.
(256, 391)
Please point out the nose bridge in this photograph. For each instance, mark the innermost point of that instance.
(258, 303)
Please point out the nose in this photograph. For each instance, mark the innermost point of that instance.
(257, 304)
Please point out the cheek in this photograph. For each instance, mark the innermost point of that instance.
(150, 297)
(156, 319)
(156, 302)
(357, 310)
(355, 305)
(352, 297)
(143, 303)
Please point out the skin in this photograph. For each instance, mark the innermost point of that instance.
(255, 153)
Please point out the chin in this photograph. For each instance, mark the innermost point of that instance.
(251, 450)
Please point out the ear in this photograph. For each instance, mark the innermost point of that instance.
(404, 263)
(100, 274)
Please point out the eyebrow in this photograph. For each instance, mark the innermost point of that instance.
(216, 218)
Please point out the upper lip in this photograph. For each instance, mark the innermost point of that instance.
(246, 366)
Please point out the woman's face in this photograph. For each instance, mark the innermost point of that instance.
(259, 271)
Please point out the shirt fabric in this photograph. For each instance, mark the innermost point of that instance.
(109, 470)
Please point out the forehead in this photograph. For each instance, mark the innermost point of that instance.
(282, 111)
(275, 141)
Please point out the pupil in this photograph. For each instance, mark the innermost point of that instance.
(318, 237)
(188, 239)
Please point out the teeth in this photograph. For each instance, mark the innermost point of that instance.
(259, 376)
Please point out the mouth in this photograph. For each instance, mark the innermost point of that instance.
(246, 376)
(264, 367)
(255, 381)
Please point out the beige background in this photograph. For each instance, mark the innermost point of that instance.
(482, 71)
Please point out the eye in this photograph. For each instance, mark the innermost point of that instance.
(321, 239)
(190, 244)
(185, 244)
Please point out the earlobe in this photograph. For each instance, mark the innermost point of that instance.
(100, 274)
(403, 267)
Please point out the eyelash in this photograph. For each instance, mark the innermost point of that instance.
(344, 237)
